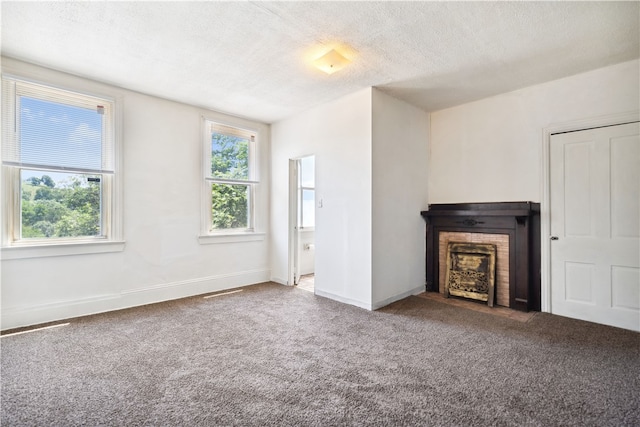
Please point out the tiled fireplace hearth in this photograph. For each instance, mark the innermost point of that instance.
(514, 229)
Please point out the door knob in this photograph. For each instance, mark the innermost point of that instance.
(554, 237)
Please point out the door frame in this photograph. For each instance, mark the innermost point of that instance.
(293, 237)
(294, 210)
(545, 213)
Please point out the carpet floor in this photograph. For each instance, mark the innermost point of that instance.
(281, 356)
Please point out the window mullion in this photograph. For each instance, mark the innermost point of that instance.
(230, 181)
(62, 169)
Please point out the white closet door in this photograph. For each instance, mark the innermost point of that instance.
(595, 216)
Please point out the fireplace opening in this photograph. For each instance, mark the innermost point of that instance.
(471, 271)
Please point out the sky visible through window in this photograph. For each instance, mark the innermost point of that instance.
(230, 156)
(307, 179)
(59, 135)
(308, 208)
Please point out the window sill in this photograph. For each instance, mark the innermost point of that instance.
(212, 239)
(61, 249)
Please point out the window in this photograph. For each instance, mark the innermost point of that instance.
(58, 159)
(307, 196)
(230, 178)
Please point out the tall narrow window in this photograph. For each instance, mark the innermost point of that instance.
(58, 155)
(230, 177)
(307, 190)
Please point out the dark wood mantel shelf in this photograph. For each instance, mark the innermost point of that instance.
(519, 220)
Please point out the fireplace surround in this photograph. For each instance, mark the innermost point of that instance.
(520, 221)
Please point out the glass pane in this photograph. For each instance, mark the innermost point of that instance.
(308, 208)
(55, 205)
(229, 157)
(229, 206)
(308, 171)
(54, 134)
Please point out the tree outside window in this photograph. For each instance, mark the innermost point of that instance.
(230, 178)
(67, 205)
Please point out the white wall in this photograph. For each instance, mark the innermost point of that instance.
(339, 135)
(371, 157)
(162, 258)
(491, 150)
(400, 154)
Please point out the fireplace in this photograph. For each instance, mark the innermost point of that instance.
(471, 271)
(514, 227)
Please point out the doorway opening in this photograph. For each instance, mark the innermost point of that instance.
(306, 282)
(302, 222)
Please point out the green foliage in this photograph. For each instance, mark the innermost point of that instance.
(229, 157)
(229, 207)
(34, 180)
(229, 202)
(46, 180)
(70, 208)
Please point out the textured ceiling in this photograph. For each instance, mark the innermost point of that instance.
(252, 59)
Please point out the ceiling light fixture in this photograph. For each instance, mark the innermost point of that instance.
(331, 62)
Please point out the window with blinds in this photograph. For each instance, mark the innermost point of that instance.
(58, 154)
(230, 177)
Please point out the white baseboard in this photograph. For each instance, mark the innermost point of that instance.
(342, 299)
(191, 287)
(279, 281)
(33, 315)
(374, 306)
(398, 297)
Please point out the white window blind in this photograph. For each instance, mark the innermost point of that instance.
(56, 130)
(231, 131)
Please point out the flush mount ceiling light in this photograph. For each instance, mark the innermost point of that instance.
(331, 62)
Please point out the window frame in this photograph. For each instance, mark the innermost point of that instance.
(208, 234)
(110, 238)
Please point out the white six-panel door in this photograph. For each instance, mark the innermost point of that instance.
(595, 225)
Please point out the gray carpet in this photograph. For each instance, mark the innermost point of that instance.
(273, 355)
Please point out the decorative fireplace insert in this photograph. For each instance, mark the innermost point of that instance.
(471, 271)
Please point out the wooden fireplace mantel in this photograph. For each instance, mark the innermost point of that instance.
(520, 220)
